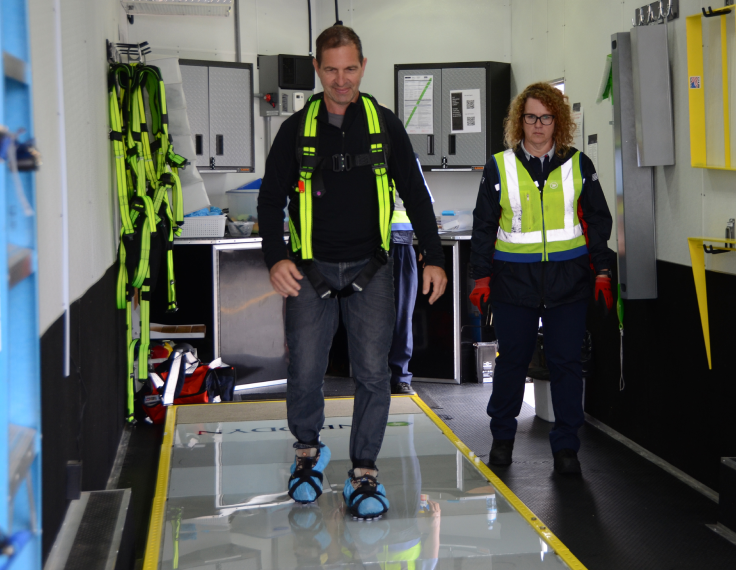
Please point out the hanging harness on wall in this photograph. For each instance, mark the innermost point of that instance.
(311, 184)
(146, 169)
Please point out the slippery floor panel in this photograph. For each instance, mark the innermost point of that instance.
(227, 505)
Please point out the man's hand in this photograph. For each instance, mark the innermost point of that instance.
(434, 276)
(283, 278)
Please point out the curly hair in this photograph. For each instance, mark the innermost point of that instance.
(558, 105)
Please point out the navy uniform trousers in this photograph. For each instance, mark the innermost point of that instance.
(405, 296)
(516, 329)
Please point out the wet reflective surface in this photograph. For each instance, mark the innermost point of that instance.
(228, 507)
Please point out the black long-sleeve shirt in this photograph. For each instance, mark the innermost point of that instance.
(345, 216)
(544, 282)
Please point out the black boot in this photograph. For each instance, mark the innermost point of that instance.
(501, 452)
(566, 462)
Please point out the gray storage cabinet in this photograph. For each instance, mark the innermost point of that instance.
(443, 150)
(219, 99)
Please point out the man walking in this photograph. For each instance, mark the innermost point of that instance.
(338, 161)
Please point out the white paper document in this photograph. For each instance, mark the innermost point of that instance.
(418, 104)
(592, 151)
(577, 117)
(465, 111)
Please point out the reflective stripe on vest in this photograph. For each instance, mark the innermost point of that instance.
(302, 241)
(400, 220)
(534, 225)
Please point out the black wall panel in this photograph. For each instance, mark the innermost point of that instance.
(672, 404)
(82, 415)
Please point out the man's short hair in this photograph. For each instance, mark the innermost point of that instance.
(338, 36)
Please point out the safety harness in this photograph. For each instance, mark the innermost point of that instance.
(146, 169)
(311, 185)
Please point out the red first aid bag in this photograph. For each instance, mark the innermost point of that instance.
(183, 381)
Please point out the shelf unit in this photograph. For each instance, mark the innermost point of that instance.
(698, 83)
(20, 375)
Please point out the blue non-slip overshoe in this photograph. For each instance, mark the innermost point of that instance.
(365, 497)
(305, 483)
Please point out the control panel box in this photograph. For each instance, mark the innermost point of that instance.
(286, 82)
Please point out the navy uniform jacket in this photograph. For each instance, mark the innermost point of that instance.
(548, 283)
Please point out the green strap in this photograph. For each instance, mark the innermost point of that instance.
(381, 172)
(305, 183)
(144, 302)
(131, 381)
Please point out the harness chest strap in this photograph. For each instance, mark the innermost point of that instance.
(310, 184)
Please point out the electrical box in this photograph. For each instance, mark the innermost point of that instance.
(219, 99)
(453, 112)
(286, 81)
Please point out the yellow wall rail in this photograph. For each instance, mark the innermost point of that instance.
(696, 90)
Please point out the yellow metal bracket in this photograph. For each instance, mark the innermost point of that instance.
(696, 89)
(697, 257)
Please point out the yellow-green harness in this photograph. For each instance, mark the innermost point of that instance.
(310, 184)
(146, 169)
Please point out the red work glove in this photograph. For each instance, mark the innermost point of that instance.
(481, 292)
(603, 288)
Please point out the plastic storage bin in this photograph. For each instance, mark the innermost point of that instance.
(243, 204)
(543, 400)
(239, 229)
(204, 226)
(457, 220)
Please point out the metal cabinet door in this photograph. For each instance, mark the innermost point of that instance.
(249, 316)
(231, 97)
(470, 148)
(195, 82)
(426, 146)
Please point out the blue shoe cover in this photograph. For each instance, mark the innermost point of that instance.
(368, 501)
(305, 485)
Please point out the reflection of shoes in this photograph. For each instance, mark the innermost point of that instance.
(566, 462)
(501, 450)
(305, 483)
(310, 533)
(365, 496)
(402, 388)
(366, 537)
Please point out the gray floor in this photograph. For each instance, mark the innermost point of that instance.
(228, 508)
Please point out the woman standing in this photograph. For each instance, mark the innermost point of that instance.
(540, 223)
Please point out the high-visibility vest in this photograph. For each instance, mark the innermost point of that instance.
(539, 225)
(405, 559)
(400, 219)
(310, 164)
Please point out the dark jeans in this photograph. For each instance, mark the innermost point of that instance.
(311, 324)
(516, 328)
(405, 295)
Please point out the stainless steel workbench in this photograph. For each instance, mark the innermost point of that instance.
(247, 315)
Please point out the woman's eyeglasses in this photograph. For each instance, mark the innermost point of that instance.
(530, 119)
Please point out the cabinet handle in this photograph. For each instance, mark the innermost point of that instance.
(451, 144)
(430, 144)
(219, 145)
(198, 144)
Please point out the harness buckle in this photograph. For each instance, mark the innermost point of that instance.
(378, 166)
(342, 162)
